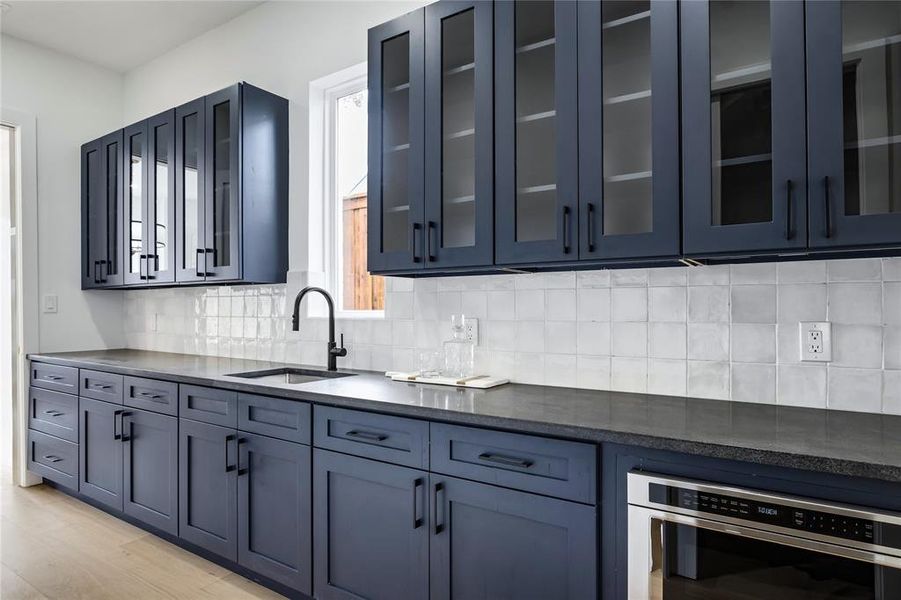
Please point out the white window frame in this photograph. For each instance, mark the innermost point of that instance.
(324, 94)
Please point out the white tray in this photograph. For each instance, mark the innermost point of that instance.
(481, 382)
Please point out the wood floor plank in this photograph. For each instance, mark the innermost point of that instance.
(13, 587)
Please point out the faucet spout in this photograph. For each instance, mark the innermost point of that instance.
(333, 350)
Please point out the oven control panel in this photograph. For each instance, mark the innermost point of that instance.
(780, 515)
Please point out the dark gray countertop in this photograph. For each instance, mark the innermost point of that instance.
(844, 443)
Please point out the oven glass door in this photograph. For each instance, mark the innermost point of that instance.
(698, 559)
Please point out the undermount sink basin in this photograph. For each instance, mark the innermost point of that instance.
(288, 375)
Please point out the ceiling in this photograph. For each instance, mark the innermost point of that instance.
(119, 35)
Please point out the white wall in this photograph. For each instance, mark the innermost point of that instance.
(73, 102)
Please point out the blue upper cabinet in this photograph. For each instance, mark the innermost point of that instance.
(396, 236)
(536, 132)
(459, 156)
(628, 129)
(854, 123)
(744, 183)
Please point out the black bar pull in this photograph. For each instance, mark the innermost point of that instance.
(142, 261)
(149, 395)
(96, 276)
(197, 271)
(206, 263)
(125, 415)
(156, 266)
(432, 226)
(414, 256)
(591, 226)
(367, 435)
(52, 458)
(52, 377)
(246, 469)
(439, 488)
(230, 437)
(566, 247)
(789, 234)
(101, 386)
(102, 276)
(116, 425)
(417, 520)
(53, 413)
(507, 461)
(827, 208)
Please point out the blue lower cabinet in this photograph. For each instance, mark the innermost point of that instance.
(100, 451)
(150, 463)
(274, 510)
(493, 543)
(370, 529)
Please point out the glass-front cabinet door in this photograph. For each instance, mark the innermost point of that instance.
(743, 126)
(223, 184)
(628, 129)
(189, 191)
(396, 166)
(854, 122)
(102, 208)
(92, 223)
(161, 198)
(459, 162)
(135, 205)
(536, 131)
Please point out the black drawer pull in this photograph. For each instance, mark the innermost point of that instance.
(508, 461)
(52, 458)
(52, 377)
(53, 413)
(417, 520)
(149, 395)
(101, 386)
(366, 435)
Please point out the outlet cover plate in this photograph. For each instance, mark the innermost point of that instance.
(471, 328)
(815, 341)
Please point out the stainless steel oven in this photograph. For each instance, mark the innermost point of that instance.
(701, 541)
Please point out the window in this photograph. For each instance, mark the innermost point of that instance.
(344, 154)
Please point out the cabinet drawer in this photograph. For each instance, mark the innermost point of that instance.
(54, 377)
(100, 386)
(208, 405)
(152, 394)
(53, 458)
(534, 464)
(275, 417)
(53, 413)
(382, 437)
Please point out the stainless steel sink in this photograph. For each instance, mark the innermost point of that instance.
(290, 376)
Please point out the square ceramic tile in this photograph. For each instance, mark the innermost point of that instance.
(593, 304)
(891, 305)
(891, 392)
(630, 339)
(753, 304)
(629, 374)
(753, 342)
(449, 303)
(530, 336)
(667, 377)
(801, 385)
(629, 277)
(708, 379)
(667, 340)
(802, 271)
(668, 304)
(560, 337)
(425, 284)
(529, 305)
(474, 304)
(529, 368)
(501, 305)
(593, 279)
(855, 389)
(402, 284)
(560, 280)
(788, 349)
(857, 346)
(593, 372)
(593, 338)
(754, 383)
(425, 305)
(668, 276)
(892, 348)
(629, 304)
(399, 305)
(502, 335)
(560, 305)
(891, 269)
(855, 303)
(708, 304)
(855, 269)
(428, 335)
(502, 364)
(708, 341)
(403, 333)
(801, 302)
(709, 275)
(529, 281)
(560, 370)
(752, 273)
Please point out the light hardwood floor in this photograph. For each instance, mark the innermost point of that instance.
(53, 546)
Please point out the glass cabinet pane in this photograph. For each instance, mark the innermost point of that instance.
(135, 202)
(626, 74)
(222, 149)
(395, 142)
(740, 112)
(458, 130)
(95, 217)
(536, 168)
(111, 266)
(193, 192)
(871, 57)
(162, 219)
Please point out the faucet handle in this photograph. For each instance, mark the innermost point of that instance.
(341, 345)
(340, 350)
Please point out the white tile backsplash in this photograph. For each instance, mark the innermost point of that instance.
(726, 332)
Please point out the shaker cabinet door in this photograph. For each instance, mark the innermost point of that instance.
(396, 234)
(100, 451)
(743, 133)
(536, 131)
(150, 476)
(854, 123)
(628, 129)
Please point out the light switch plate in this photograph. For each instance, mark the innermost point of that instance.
(815, 341)
(51, 303)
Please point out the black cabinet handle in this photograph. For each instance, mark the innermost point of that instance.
(96, 276)
(827, 208)
(508, 461)
(52, 458)
(367, 435)
(591, 226)
(228, 438)
(142, 260)
(437, 489)
(417, 520)
(197, 271)
(206, 264)
(566, 247)
(101, 386)
(125, 415)
(246, 469)
(432, 226)
(414, 256)
(156, 266)
(149, 395)
(53, 413)
(52, 377)
(102, 263)
(789, 234)
(116, 431)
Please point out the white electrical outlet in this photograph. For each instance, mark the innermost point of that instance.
(815, 341)
(471, 330)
